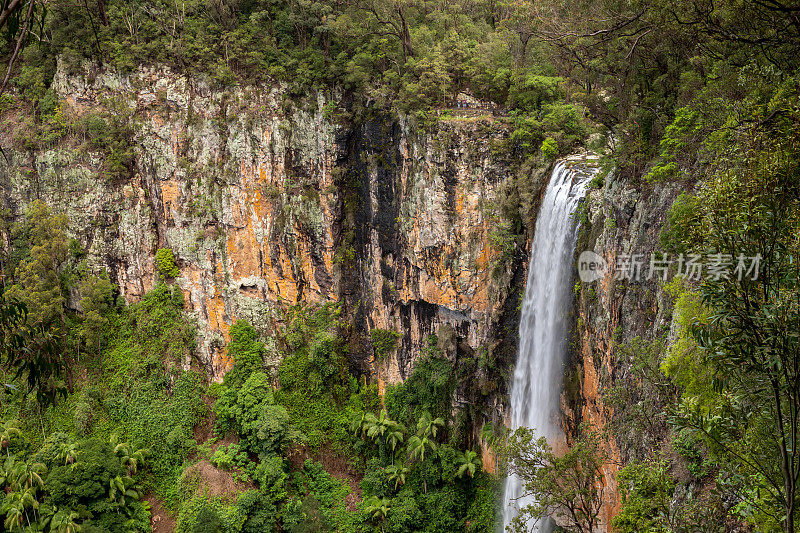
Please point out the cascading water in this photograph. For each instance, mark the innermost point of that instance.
(543, 325)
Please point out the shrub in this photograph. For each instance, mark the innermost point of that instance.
(429, 388)
(247, 352)
(165, 263)
(646, 491)
(251, 411)
(383, 341)
(549, 149)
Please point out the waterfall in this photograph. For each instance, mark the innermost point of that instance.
(543, 324)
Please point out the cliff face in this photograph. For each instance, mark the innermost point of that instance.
(621, 221)
(268, 200)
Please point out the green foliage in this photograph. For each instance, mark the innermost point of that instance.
(684, 362)
(737, 356)
(329, 495)
(260, 510)
(251, 412)
(678, 137)
(597, 181)
(530, 92)
(646, 489)
(549, 148)
(566, 486)
(644, 394)
(429, 388)
(314, 377)
(97, 302)
(39, 284)
(690, 448)
(31, 352)
(483, 505)
(165, 263)
(112, 133)
(383, 341)
(247, 352)
(681, 225)
(202, 515)
(83, 484)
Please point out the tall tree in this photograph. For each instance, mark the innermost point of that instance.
(568, 487)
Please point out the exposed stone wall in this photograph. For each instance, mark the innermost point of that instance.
(250, 189)
(619, 219)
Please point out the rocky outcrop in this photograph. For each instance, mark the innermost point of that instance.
(620, 220)
(269, 200)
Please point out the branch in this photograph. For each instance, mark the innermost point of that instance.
(18, 47)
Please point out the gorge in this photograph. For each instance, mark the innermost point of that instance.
(310, 265)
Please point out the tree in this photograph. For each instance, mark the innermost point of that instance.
(68, 451)
(121, 490)
(247, 352)
(38, 275)
(520, 18)
(646, 489)
(470, 463)
(97, 300)
(384, 430)
(29, 476)
(750, 206)
(568, 487)
(397, 473)
(391, 19)
(377, 509)
(130, 457)
(32, 352)
(424, 440)
(14, 509)
(32, 317)
(394, 437)
(427, 426)
(64, 521)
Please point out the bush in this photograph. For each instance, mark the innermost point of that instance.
(247, 352)
(251, 412)
(646, 492)
(383, 341)
(201, 515)
(165, 263)
(314, 375)
(429, 388)
(549, 148)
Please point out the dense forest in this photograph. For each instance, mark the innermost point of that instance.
(109, 422)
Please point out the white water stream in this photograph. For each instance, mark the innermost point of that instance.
(543, 325)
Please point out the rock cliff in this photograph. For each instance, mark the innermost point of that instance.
(619, 221)
(268, 199)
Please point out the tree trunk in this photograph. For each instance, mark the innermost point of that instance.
(406, 35)
(101, 12)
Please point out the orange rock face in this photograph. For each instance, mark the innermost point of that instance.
(611, 312)
(266, 205)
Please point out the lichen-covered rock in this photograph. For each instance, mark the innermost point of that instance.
(619, 220)
(266, 202)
